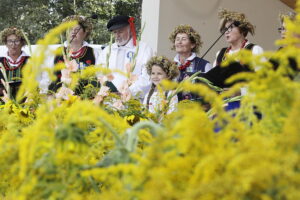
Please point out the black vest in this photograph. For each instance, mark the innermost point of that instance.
(87, 59)
(218, 74)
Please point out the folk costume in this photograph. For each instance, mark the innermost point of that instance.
(187, 41)
(13, 71)
(218, 74)
(120, 58)
(84, 57)
(192, 65)
(156, 100)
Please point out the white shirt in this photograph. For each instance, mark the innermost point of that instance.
(18, 59)
(156, 101)
(122, 55)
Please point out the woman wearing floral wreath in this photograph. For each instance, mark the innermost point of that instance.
(79, 54)
(13, 61)
(187, 42)
(235, 27)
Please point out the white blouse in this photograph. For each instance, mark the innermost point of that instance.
(157, 100)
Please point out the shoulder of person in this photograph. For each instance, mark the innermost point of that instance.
(201, 59)
(257, 49)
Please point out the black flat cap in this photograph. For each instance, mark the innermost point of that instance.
(117, 22)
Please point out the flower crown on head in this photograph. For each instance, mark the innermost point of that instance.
(84, 22)
(226, 16)
(193, 36)
(167, 66)
(12, 31)
(290, 15)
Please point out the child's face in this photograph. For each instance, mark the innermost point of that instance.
(157, 74)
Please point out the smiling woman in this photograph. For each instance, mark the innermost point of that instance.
(13, 61)
(187, 42)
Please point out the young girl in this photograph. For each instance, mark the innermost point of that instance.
(160, 68)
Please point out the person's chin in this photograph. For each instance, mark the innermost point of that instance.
(122, 43)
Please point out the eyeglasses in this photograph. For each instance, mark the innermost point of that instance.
(11, 42)
(228, 29)
(281, 29)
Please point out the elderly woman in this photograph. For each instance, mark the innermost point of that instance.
(14, 60)
(235, 27)
(79, 53)
(187, 42)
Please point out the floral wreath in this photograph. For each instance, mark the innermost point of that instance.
(226, 16)
(84, 22)
(12, 31)
(193, 36)
(290, 15)
(167, 66)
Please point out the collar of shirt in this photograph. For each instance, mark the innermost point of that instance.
(19, 58)
(129, 45)
(176, 58)
(237, 50)
(83, 44)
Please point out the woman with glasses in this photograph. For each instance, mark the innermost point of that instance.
(13, 61)
(187, 42)
(282, 29)
(235, 27)
(77, 54)
(292, 69)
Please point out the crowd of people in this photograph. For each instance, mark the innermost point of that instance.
(137, 58)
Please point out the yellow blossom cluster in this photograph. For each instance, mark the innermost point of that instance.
(76, 149)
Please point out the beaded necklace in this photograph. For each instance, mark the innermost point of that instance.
(8, 62)
(184, 66)
(79, 54)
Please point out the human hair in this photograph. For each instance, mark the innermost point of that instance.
(83, 22)
(193, 35)
(12, 31)
(244, 25)
(290, 15)
(166, 65)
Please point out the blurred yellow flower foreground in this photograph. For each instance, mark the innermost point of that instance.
(73, 148)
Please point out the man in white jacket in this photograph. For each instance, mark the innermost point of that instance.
(120, 54)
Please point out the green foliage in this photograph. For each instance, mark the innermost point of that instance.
(39, 16)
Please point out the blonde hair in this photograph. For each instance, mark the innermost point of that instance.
(167, 66)
(232, 16)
